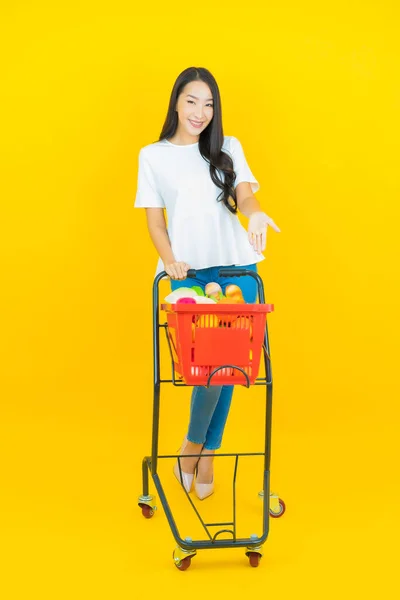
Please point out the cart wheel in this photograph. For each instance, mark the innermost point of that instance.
(182, 558)
(147, 511)
(254, 558)
(282, 508)
(184, 563)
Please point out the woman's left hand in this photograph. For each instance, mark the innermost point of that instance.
(257, 230)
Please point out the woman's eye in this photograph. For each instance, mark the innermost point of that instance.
(192, 102)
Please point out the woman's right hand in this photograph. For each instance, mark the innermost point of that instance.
(177, 270)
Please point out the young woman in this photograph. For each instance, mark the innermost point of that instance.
(201, 178)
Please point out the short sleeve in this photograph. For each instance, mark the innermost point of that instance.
(147, 195)
(242, 169)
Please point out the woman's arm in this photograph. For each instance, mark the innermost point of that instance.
(159, 236)
(246, 201)
(258, 220)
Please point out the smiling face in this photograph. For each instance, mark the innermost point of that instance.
(195, 110)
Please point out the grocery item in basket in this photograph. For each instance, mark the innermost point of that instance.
(234, 293)
(227, 319)
(173, 298)
(204, 300)
(199, 290)
(207, 321)
(213, 290)
(243, 322)
(186, 300)
(182, 292)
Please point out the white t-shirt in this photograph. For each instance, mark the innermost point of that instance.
(202, 231)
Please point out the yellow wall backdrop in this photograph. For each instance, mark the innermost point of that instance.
(312, 91)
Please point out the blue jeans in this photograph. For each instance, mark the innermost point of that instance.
(209, 407)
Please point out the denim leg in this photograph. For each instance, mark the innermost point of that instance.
(218, 421)
(210, 406)
(204, 401)
(215, 431)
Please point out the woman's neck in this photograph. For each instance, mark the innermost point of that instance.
(184, 139)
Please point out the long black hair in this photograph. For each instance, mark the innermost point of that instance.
(211, 139)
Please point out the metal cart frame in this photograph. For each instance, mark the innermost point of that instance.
(187, 547)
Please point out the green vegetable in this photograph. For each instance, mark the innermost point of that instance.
(199, 290)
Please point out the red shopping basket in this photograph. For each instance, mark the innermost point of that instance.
(204, 337)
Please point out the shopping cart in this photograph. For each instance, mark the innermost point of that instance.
(213, 344)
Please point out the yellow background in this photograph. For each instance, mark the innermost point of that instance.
(312, 91)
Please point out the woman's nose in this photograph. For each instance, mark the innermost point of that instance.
(199, 113)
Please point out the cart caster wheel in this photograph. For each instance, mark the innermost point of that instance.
(184, 563)
(276, 514)
(254, 558)
(147, 511)
(183, 558)
(147, 507)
